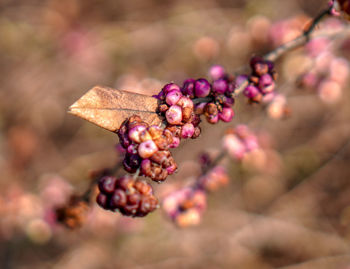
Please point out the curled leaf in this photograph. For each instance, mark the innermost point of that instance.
(108, 108)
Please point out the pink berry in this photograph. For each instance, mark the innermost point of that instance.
(226, 114)
(175, 143)
(134, 133)
(216, 72)
(187, 130)
(147, 149)
(185, 102)
(173, 97)
(251, 91)
(169, 87)
(174, 115)
(266, 83)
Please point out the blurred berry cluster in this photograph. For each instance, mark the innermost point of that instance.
(239, 141)
(261, 80)
(127, 195)
(186, 206)
(147, 148)
(328, 73)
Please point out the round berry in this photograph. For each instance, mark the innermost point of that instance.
(202, 87)
(118, 199)
(173, 97)
(174, 115)
(220, 86)
(187, 130)
(188, 87)
(147, 149)
(216, 72)
(107, 184)
(169, 87)
(226, 114)
(251, 91)
(102, 200)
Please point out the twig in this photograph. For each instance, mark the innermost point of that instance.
(295, 43)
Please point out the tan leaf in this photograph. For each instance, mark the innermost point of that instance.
(108, 108)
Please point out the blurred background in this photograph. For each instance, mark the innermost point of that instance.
(288, 206)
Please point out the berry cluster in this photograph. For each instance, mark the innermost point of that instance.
(178, 111)
(73, 214)
(261, 80)
(183, 106)
(147, 149)
(239, 141)
(128, 196)
(185, 206)
(214, 179)
(329, 73)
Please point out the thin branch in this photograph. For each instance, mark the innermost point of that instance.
(295, 43)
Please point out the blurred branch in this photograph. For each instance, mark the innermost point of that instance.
(297, 42)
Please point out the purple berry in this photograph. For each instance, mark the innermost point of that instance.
(231, 87)
(226, 114)
(118, 199)
(220, 86)
(132, 149)
(202, 87)
(216, 72)
(169, 87)
(102, 200)
(188, 87)
(173, 97)
(107, 184)
(251, 91)
(174, 115)
(187, 130)
(266, 83)
(147, 149)
(240, 79)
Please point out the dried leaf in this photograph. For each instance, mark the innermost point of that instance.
(108, 108)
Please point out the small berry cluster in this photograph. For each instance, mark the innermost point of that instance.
(239, 141)
(329, 73)
(178, 111)
(147, 148)
(261, 81)
(214, 179)
(128, 196)
(183, 106)
(186, 206)
(73, 214)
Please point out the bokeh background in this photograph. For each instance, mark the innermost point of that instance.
(288, 206)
